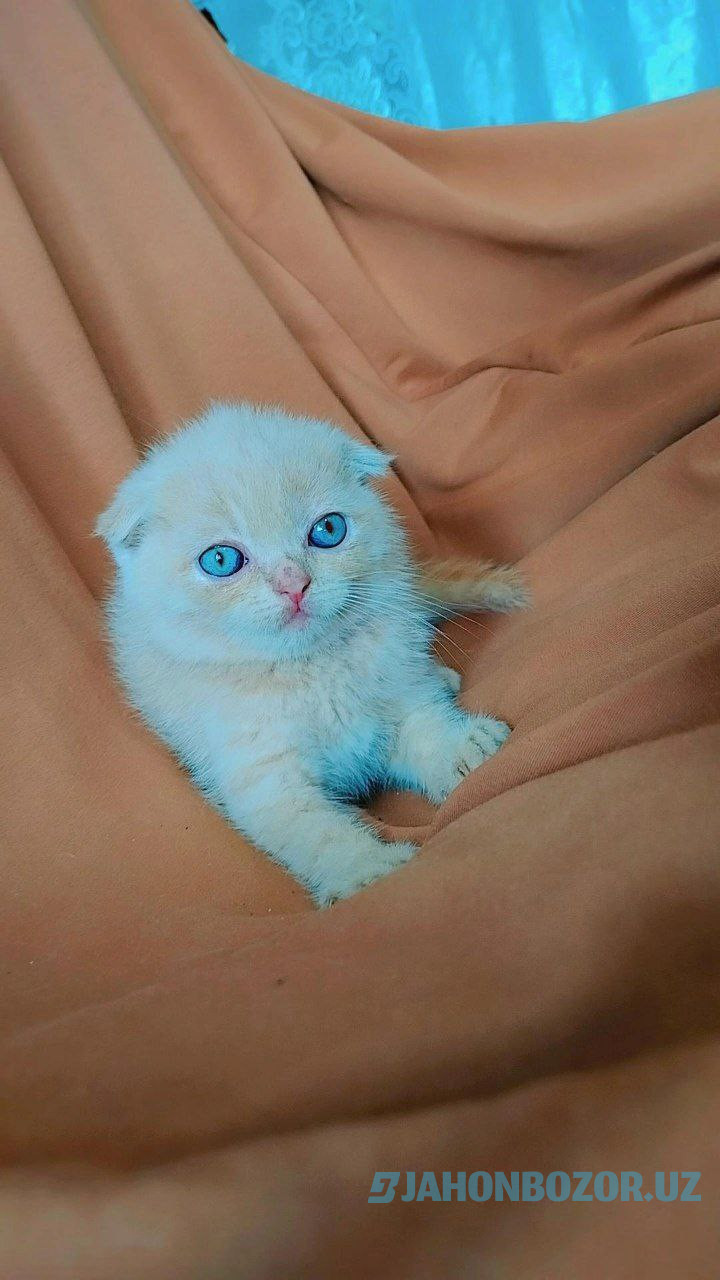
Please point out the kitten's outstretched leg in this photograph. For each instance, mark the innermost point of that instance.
(322, 842)
(463, 585)
(439, 744)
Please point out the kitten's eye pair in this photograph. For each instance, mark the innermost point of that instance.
(222, 560)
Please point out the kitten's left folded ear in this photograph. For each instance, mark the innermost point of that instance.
(368, 461)
(122, 525)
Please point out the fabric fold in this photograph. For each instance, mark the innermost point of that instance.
(528, 319)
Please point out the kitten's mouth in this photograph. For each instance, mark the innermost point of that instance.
(296, 616)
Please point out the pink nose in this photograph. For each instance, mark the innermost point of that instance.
(291, 581)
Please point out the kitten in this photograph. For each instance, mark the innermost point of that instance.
(269, 624)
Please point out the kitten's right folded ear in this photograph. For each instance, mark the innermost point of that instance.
(122, 525)
(367, 460)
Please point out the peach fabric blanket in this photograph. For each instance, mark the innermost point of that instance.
(199, 1073)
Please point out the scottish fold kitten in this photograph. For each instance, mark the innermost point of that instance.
(269, 624)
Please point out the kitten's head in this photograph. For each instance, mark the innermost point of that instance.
(250, 533)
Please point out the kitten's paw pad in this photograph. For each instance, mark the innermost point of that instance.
(348, 880)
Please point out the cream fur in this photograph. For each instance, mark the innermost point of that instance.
(284, 723)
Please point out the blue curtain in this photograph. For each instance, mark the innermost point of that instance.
(451, 63)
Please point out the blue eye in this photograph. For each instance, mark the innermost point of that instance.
(328, 531)
(221, 561)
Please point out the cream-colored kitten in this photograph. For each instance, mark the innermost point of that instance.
(269, 624)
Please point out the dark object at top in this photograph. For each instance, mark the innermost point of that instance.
(207, 14)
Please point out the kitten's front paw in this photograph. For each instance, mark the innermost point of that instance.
(466, 747)
(485, 737)
(347, 877)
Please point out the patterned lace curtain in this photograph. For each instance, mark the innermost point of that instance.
(452, 63)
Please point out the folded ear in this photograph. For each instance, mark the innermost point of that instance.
(123, 523)
(366, 460)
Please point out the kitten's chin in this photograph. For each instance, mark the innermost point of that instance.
(304, 634)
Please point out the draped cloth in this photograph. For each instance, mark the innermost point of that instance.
(200, 1073)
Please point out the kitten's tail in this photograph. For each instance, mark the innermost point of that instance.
(460, 584)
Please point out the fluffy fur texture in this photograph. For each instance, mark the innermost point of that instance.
(305, 680)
